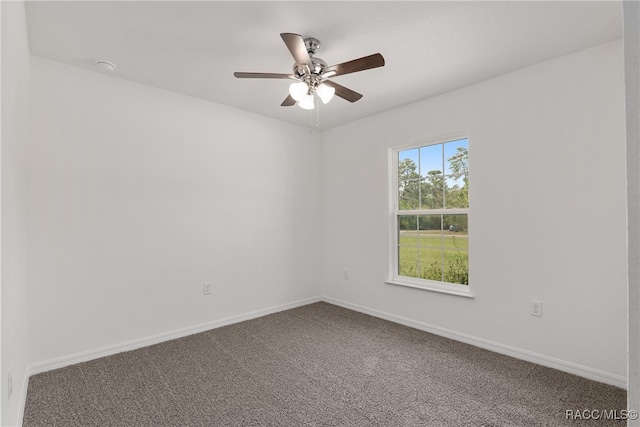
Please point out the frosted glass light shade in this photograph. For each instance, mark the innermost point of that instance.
(298, 90)
(306, 102)
(325, 92)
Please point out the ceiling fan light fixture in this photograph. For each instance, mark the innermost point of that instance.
(325, 92)
(309, 73)
(298, 90)
(306, 103)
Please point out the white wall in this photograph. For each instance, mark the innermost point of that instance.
(632, 100)
(15, 94)
(547, 195)
(138, 196)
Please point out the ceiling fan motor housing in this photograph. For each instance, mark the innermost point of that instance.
(317, 65)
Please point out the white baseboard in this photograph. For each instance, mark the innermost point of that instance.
(540, 359)
(518, 353)
(85, 356)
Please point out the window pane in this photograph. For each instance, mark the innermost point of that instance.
(409, 195)
(431, 264)
(456, 266)
(408, 261)
(455, 241)
(456, 157)
(407, 223)
(432, 196)
(408, 245)
(457, 193)
(456, 225)
(411, 154)
(430, 234)
(431, 159)
(408, 180)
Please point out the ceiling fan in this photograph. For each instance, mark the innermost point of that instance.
(312, 74)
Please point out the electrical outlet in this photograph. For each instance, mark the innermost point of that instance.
(206, 289)
(9, 383)
(345, 274)
(536, 308)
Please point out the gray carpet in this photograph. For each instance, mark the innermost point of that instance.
(318, 365)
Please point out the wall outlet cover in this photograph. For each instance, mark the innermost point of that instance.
(206, 288)
(536, 308)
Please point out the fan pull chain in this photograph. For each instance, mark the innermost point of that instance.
(315, 126)
(318, 116)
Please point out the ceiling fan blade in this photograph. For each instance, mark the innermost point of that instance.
(343, 92)
(288, 102)
(365, 63)
(242, 75)
(295, 44)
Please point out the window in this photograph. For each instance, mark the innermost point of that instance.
(430, 215)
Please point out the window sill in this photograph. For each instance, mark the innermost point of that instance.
(433, 287)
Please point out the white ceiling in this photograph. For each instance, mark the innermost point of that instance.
(429, 47)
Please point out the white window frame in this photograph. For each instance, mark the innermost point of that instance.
(394, 212)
